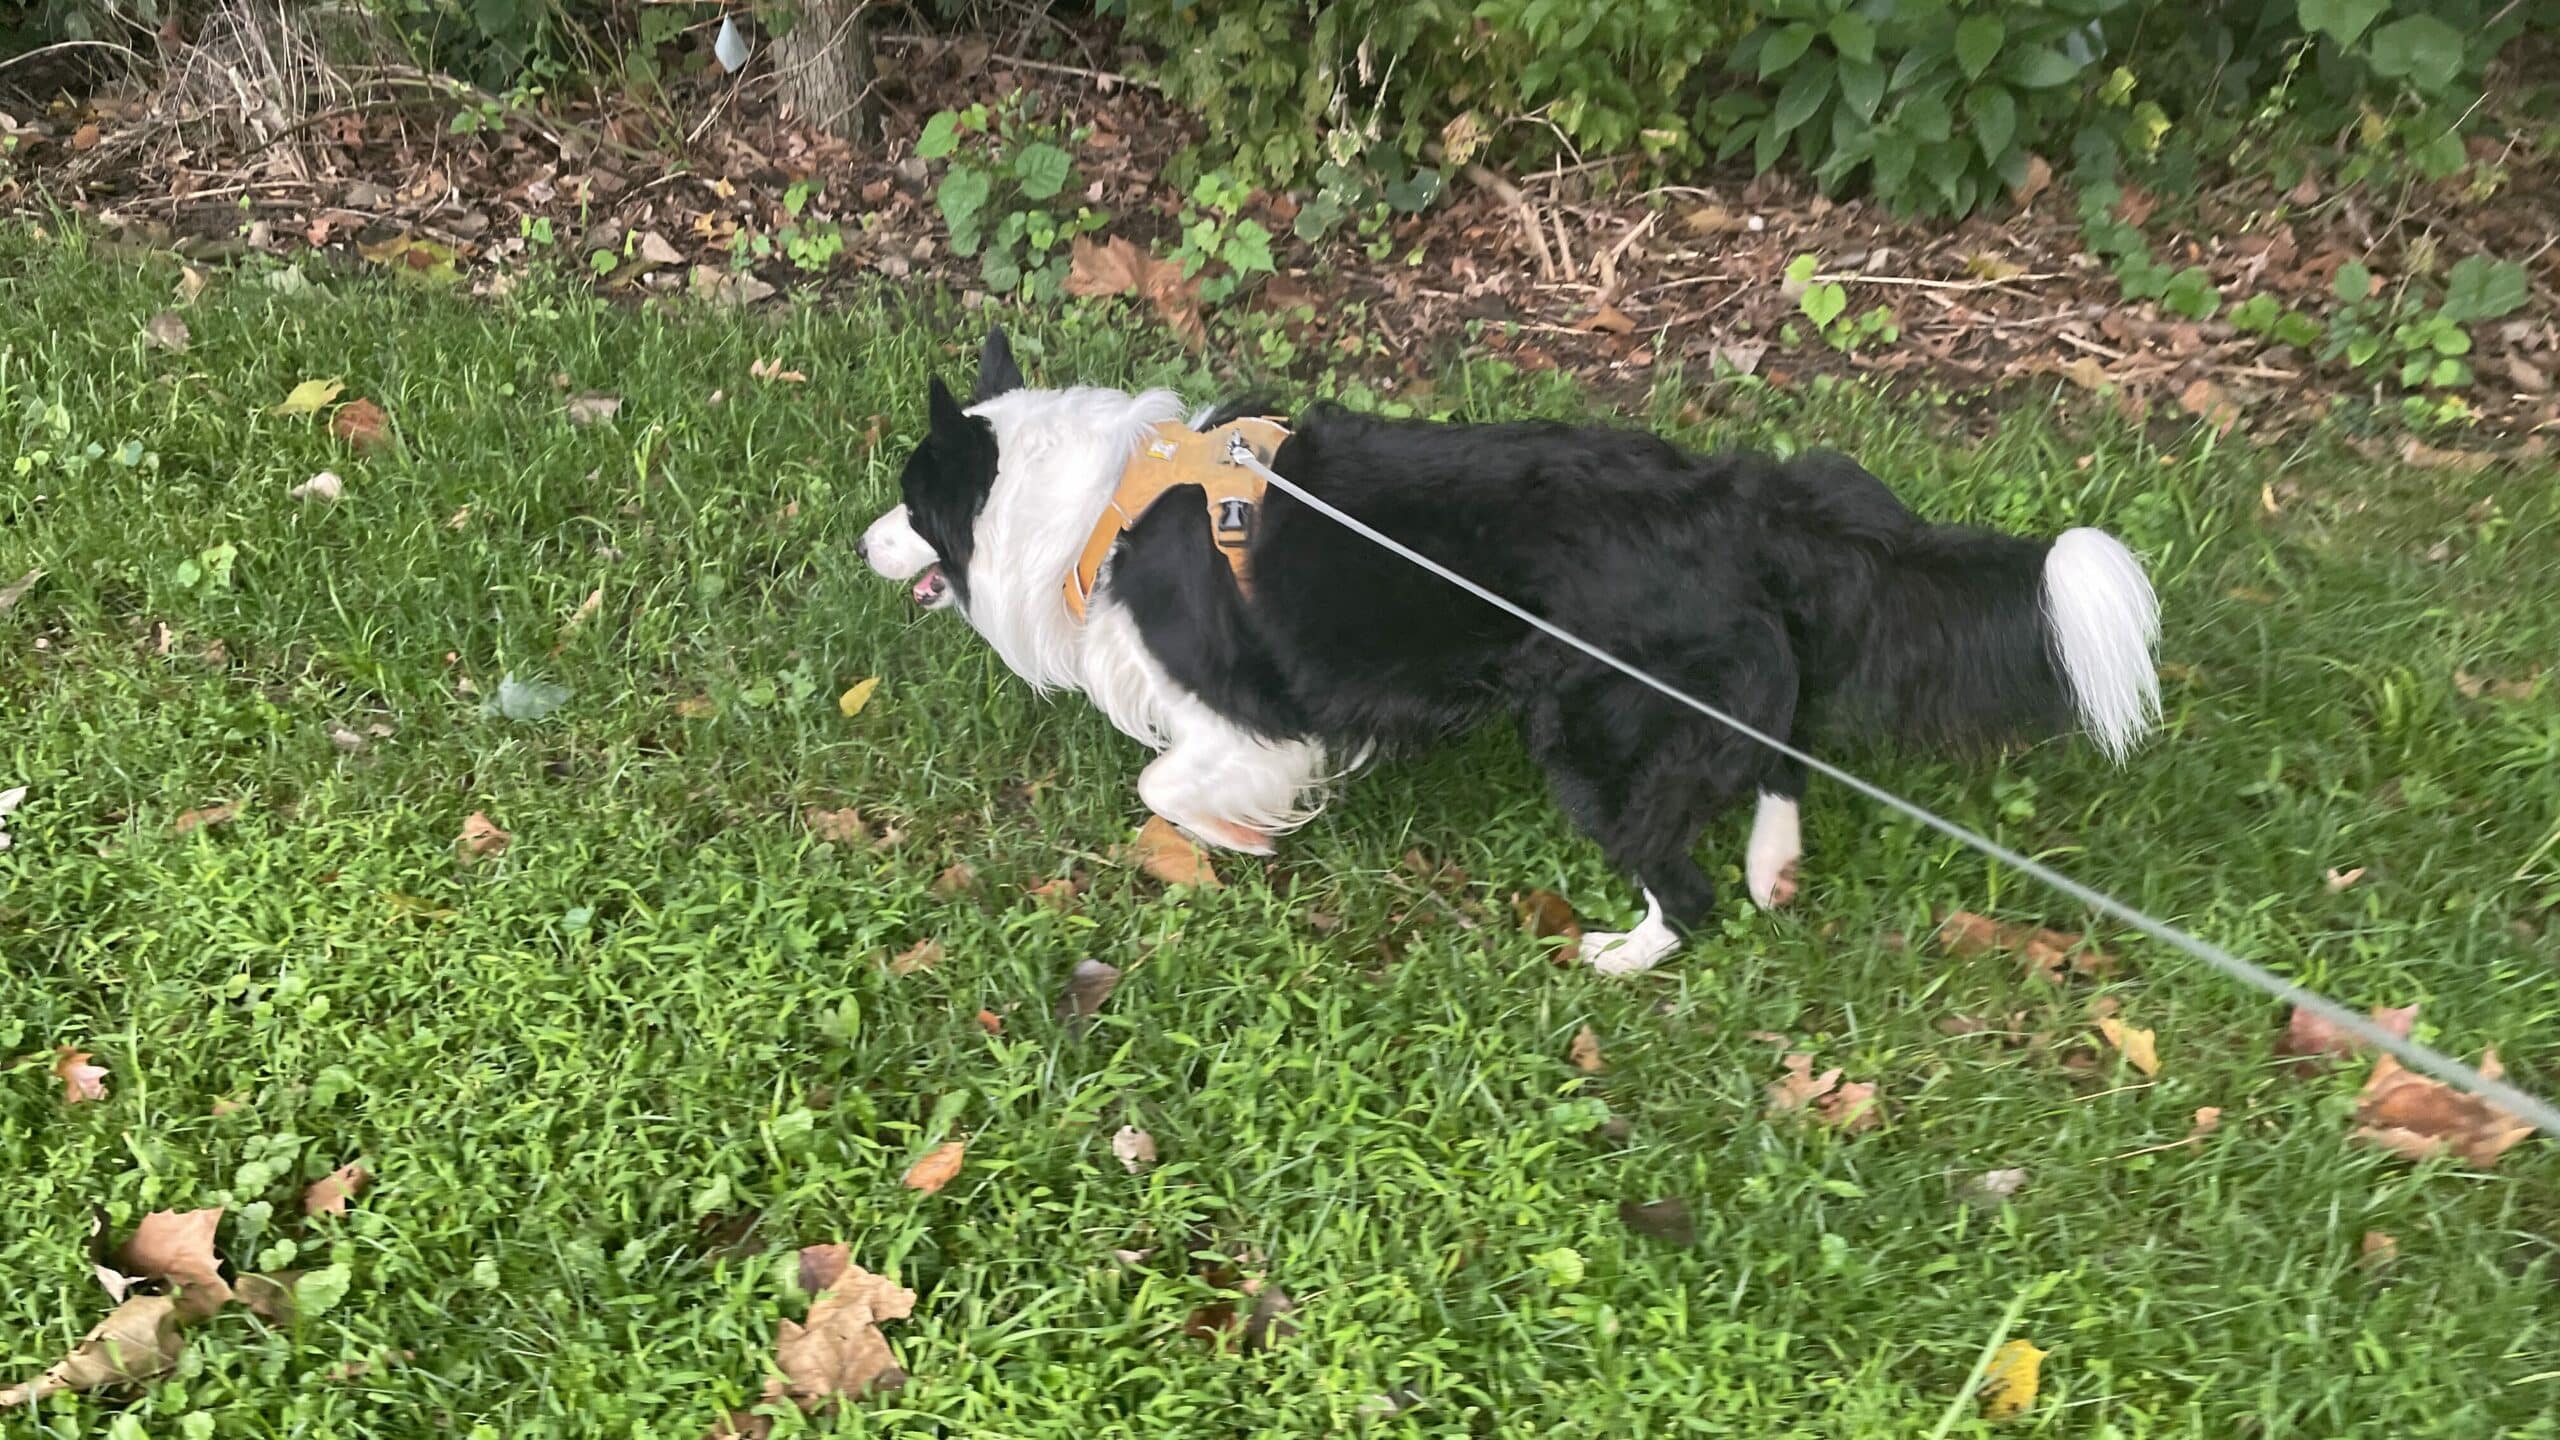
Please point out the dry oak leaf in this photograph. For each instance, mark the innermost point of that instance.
(1169, 856)
(2133, 1044)
(821, 1266)
(956, 880)
(939, 1167)
(840, 1350)
(2409, 1114)
(1585, 1052)
(139, 1339)
(362, 425)
(2210, 403)
(2310, 1036)
(2050, 953)
(1852, 1107)
(81, 1080)
(1610, 320)
(2009, 1382)
(481, 838)
(922, 955)
(330, 1193)
(177, 1246)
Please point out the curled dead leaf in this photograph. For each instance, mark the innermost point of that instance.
(821, 1266)
(325, 486)
(1852, 1106)
(2313, 1037)
(1546, 915)
(1610, 320)
(2050, 953)
(1585, 1052)
(922, 955)
(1170, 856)
(2408, 1114)
(939, 1167)
(837, 827)
(2210, 403)
(1088, 986)
(177, 1246)
(330, 1193)
(138, 1340)
(190, 821)
(990, 1021)
(2337, 879)
(362, 425)
(81, 1080)
(1135, 1147)
(957, 879)
(481, 839)
(2378, 1249)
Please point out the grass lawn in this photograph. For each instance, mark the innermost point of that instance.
(582, 1068)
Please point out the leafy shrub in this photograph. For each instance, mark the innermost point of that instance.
(1003, 171)
(1274, 78)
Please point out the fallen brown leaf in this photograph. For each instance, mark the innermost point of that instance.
(362, 425)
(1546, 915)
(329, 1194)
(2087, 373)
(1116, 267)
(771, 372)
(2378, 1250)
(1992, 1188)
(481, 839)
(2035, 182)
(585, 612)
(81, 1081)
(922, 955)
(821, 1266)
(211, 815)
(1852, 1106)
(840, 1351)
(2310, 1036)
(592, 408)
(2050, 953)
(269, 1297)
(837, 827)
(939, 1167)
(16, 590)
(138, 1340)
(990, 1021)
(1088, 986)
(2337, 879)
(1610, 320)
(1060, 891)
(2210, 403)
(2134, 1045)
(1135, 1147)
(1667, 1220)
(2474, 687)
(2408, 1114)
(177, 1246)
(1585, 1053)
(1167, 854)
(2418, 453)
(956, 880)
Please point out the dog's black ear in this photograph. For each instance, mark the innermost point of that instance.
(942, 409)
(996, 371)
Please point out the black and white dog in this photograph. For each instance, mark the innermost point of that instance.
(1784, 592)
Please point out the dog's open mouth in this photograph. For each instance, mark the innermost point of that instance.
(930, 588)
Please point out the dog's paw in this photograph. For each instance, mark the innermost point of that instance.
(1629, 952)
(1773, 890)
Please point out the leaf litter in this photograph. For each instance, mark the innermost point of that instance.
(2052, 954)
(1089, 985)
(2410, 1115)
(1850, 1107)
(82, 1080)
(1169, 855)
(837, 1352)
(939, 1167)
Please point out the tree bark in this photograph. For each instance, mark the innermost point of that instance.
(825, 67)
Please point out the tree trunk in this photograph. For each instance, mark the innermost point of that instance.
(825, 67)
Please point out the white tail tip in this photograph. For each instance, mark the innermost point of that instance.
(2104, 620)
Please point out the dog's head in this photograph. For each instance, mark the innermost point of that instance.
(930, 536)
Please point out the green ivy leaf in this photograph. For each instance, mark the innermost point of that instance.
(1978, 40)
(2420, 49)
(963, 197)
(2352, 283)
(2340, 20)
(1853, 35)
(941, 135)
(1824, 303)
(1799, 271)
(1248, 249)
(1042, 170)
(1001, 272)
(1995, 119)
(1784, 48)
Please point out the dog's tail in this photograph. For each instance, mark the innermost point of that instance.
(1946, 634)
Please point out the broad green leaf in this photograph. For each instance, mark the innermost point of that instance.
(1862, 86)
(1925, 116)
(1853, 35)
(1803, 95)
(2041, 68)
(2340, 20)
(1784, 48)
(941, 135)
(1978, 40)
(2479, 288)
(2352, 283)
(1823, 303)
(2421, 49)
(1995, 119)
(1248, 249)
(1042, 169)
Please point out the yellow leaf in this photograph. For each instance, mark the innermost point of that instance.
(2009, 1386)
(852, 701)
(2134, 1045)
(309, 396)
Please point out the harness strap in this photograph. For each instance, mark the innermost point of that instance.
(1175, 454)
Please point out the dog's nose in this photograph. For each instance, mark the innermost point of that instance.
(862, 548)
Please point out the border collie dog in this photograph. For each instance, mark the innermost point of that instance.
(1262, 650)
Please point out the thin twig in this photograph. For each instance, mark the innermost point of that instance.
(125, 50)
(1509, 194)
(1853, 278)
(1099, 77)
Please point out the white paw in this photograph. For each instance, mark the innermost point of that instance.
(1769, 864)
(1630, 952)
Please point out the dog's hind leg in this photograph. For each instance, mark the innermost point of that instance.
(1644, 775)
(1228, 788)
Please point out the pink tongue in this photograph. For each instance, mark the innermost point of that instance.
(928, 585)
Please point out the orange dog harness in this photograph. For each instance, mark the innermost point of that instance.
(1175, 454)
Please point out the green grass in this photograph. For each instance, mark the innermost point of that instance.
(664, 1002)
